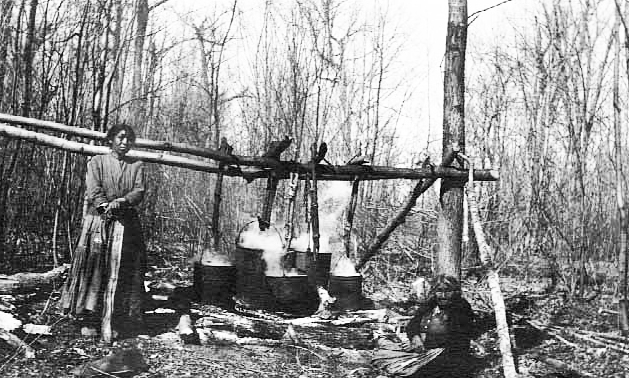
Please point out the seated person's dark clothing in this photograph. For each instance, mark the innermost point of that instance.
(444, 321)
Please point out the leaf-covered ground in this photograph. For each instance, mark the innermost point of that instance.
(560, 335)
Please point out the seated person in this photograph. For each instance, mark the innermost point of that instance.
(444, 320)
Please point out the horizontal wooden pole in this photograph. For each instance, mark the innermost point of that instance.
(281, 168)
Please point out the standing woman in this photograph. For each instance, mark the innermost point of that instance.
(106, 281)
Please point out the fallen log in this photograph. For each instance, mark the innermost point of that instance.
(303, 333)
(564, 367)
(25, 282)
(282, 168)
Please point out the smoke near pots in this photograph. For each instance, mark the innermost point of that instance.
(333, 199)
(343, 267)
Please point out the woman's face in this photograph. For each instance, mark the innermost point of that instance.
(445, 295)
(121, 144)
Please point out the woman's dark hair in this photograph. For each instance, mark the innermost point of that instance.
(445, 282)
(115, 129)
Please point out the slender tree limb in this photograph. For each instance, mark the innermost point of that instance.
(484, 10)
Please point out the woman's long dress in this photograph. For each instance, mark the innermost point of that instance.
(109, 178)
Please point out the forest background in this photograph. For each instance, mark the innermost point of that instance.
(363, 77)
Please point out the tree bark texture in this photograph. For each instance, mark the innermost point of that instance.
(311, 333)
(450, 220)
(142, 17)
(6, 14)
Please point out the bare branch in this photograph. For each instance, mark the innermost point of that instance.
(484, 10)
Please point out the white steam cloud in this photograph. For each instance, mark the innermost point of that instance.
(343, 267)
(270, 242)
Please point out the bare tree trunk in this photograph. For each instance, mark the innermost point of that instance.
(623, 318)
(314, 206)
(114, 83)
(450, 220)
(28, 67)
(142, 17)
(28, 59)
(99, 97)
(6, 14)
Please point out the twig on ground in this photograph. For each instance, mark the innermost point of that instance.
(308, 350)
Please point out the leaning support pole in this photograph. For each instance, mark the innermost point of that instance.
(493, 280)
(382, 237)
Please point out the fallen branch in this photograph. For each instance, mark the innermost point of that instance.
(606, 341)
(25, 282)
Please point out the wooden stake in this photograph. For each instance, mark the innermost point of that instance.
(314, 205)
(218, 192)
(116, 239)
(290, 209)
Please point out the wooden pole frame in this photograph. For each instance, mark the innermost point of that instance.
(256, 167)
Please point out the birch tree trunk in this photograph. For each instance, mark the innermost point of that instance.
(450, 220)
